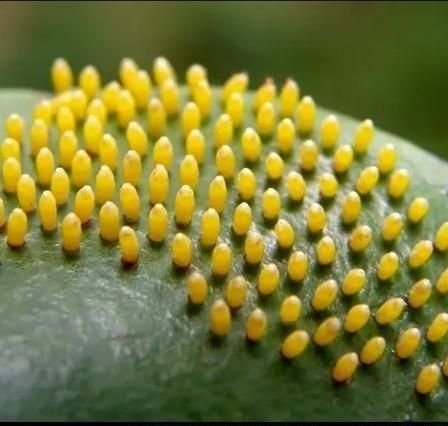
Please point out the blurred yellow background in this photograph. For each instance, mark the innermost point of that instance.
(386, 61)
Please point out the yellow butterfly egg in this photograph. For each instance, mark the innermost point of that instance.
(48, 211)
(11, 172)
(284, 234)
(268, 279)
(181, 250)
(392, 226)
(184, 204)
(326, 251)
(61, 75)
(330, 130)
(295, 344)
(140, 87)
(351, 208)
(387, 266)
(10, 148)
(71, 233)
(420, 253)
(419, 293)
(225, 162)
(221, 259)
(236, 292)
(289, 98)
(407, 343)
(345, 367)
(327, 331)
(353, 282)
(158, 184)
(417, 210)
(90, 81)
(220, 318)
(364, 134)
(110, 96)
(14, 127)
(129, 245)
(342, 158)
(217, 194)
(367, 180)
(157, 223)
(328, 185)
(266, 119)
(45, 166)
(156, 117)
(256, 325)
(271, 204)
(68, 146)
(170, 97)
(17, 227)
(441, 238)
(223, 131)
(360, 238)
(242, 219)
(197, 288)
(109, 221)
(306, 114)
(210, 227)
(297, 266)
(390, 310)
(137, 139)
(104, 185)
(308, 155)
(81, 169)
(386, 158)
(324, 295)
(373, 350)
(428, 379)
(274, 166)
(290, 309)
(190, 118)
(295, 186)
(438, 328)
(203, 98)
(442, 282)
(316, 218)
(84, 204)
(195, 145)
(251, 145)
(130, 202)
(398, 183)
(246, 184)
(235, 108)
(356, 318)
(163, 152)
(286, 134)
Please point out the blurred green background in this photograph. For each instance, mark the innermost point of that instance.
(386, 61)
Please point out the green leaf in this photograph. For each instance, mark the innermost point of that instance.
(85, 339)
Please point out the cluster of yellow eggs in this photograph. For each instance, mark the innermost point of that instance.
(89, 107)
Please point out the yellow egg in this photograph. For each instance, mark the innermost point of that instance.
(220, 318)
(345, 367)
(324, 295)
(295, 344)
(289, 98)
(373, 350)
(197, 288)
(327, 331)
(256, 325)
